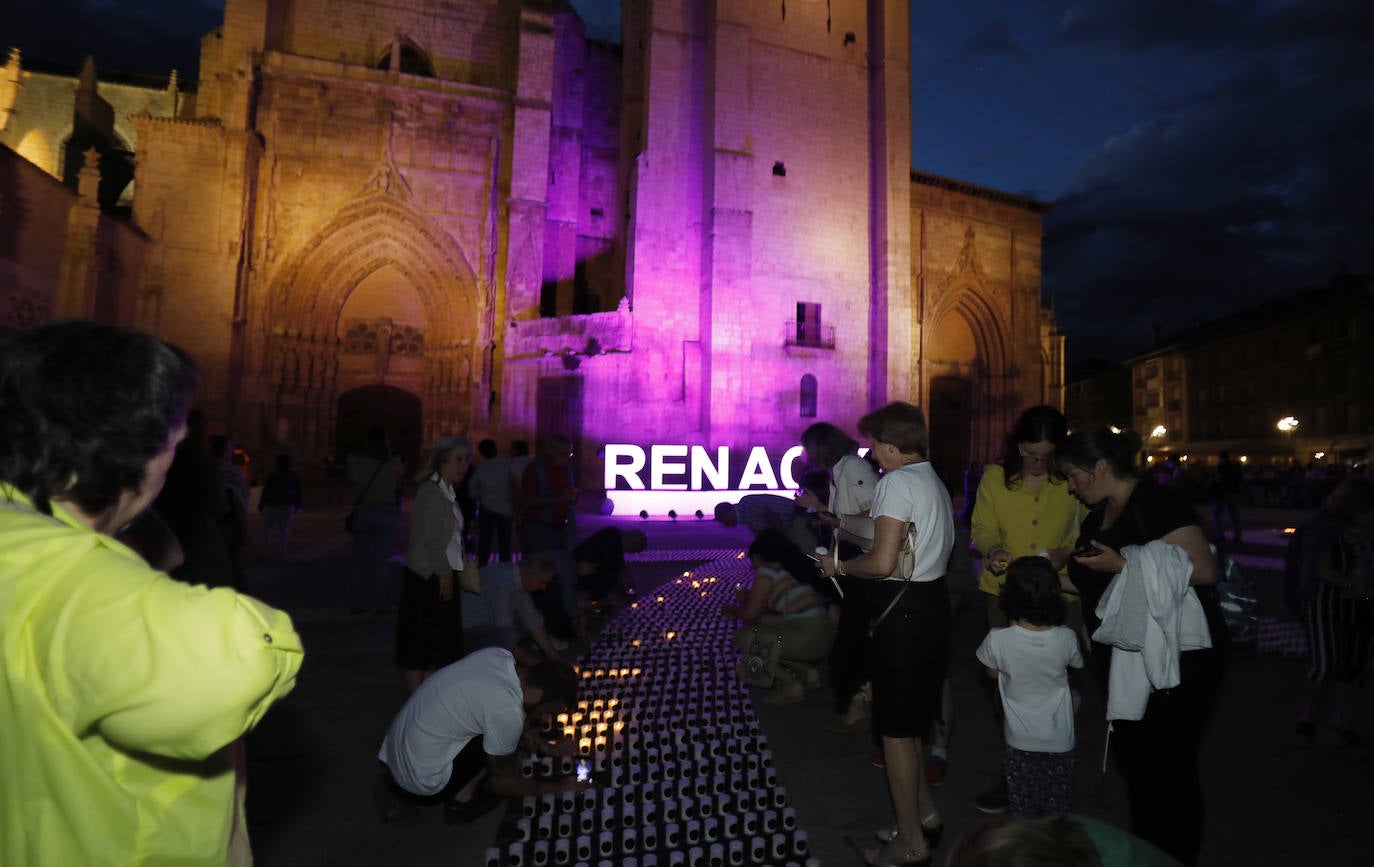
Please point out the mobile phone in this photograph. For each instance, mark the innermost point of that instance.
(1085, 550)
(584, 770)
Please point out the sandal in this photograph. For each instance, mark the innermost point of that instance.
(932, 826)
(909, 858)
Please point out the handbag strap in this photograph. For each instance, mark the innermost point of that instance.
(367, 487)
(873, 627)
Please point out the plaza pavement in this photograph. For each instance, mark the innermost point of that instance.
(1270, 802)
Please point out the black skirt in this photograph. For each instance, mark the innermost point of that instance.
(910, 653)
(429, 631)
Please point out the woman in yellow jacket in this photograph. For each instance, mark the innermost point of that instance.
(123, 693)
(1024, 508)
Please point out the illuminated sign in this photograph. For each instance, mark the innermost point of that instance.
(689, 478)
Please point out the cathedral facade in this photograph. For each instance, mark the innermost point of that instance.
(469, 217)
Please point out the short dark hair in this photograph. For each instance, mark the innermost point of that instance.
(898, 424)
(1060, 841)
(85, 407)
(556, 680)
(828, 443)
(772, 546)
(519, 448)
(487, 448)
(1032, 593)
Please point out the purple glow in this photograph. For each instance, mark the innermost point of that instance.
(685, 503)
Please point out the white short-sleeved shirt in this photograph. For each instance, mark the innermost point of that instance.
(914, 494)
(479, 694)
(1034, 684)
(854, 485)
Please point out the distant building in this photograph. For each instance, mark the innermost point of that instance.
(468, 217)
(1239, 383)
(1098, 393)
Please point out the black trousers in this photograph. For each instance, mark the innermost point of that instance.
(493, 524)
(849, 655)
(1158, 757)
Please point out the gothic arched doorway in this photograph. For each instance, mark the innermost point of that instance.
(951, 422)
(394, 410)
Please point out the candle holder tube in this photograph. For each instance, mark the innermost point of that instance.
(586, 821)
(607, 818)
(717, 855)
(770, 777)
(605, 844)
(565, 824)
(691, 832)
(752, 779)
(789, 819)
(720, 784)
(749, 823)
(544, 830)
(769, 821)
(779, 847)
(588, 799)
(751, 762)
(546, 804)
(527, 768)
(758, 849)
(540, 858)
(696, 857)
(671, 810)
(744, 799)
(677, 858)
(672, 836)
(635, 775)
(766, 758)
(700, 786)
(735, 853)
(687, 808)
(800, 845)
(761, 798)
(546, 766)
(629, 840)
(729, 825)
(515, 855)
(649, 811)
(705, 806)
(566, 801)
(565, 766)
(584, 847)
(492, 857)
(813, 862)
(684, 789)
(627, 796)
(649, 860)
(523, 829)
(562, 851)
(710, 829)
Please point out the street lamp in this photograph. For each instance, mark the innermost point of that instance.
(1288, 424)
(1159, 432)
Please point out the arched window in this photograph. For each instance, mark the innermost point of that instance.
(409, 59)
(808, 396)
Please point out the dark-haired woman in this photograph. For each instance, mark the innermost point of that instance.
(1158, 753)
(852, 485)
(910, 646)
(122, 692)
(782, 607)
(1024, 508)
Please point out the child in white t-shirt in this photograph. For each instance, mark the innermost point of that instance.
(1030, 659)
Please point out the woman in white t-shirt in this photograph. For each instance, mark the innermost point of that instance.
(910, 645)
(1030, 659)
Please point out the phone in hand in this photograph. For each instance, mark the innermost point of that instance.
(584, 770)
(1085, 550)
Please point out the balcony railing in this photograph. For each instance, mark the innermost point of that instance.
(809, 334)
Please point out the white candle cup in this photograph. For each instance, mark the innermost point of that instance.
(735, 853)
(691, 832)
(605, 844)
(541, 853)
(544, 830)
(562, 851)
(584, 847)
(799, 843)
(717, 855)
(515, 855)
(492, 857)
(779, 848)
(789, 819)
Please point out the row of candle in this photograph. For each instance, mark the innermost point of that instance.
(784, 848)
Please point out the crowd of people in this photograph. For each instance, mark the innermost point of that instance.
(134, 663)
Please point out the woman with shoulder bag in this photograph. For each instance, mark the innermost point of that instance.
(913, 530)
(429, 619)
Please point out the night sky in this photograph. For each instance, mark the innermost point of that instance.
(1201, 156)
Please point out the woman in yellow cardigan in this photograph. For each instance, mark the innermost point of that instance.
(1024, 508)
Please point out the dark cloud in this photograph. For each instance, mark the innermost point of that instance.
(1248, 189)
(992, 39)
(150, 36)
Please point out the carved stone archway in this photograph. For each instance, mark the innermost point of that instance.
(378, 229)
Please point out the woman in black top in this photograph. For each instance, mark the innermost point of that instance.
(1157, 754)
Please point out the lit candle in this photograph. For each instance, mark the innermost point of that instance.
(584, 746)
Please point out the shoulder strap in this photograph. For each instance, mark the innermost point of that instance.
(380, 463)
